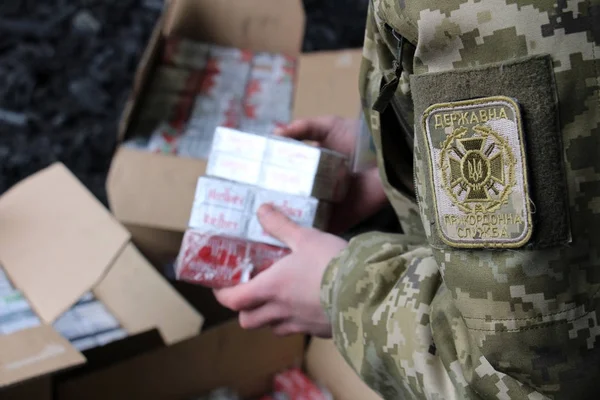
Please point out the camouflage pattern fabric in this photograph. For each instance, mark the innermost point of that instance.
(418, 318)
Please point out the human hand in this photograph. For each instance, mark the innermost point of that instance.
(286, 296)
(365, 194)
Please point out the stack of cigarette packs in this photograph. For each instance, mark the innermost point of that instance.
(86, 325)
(198, 87)
(292, 384)
(225, 243)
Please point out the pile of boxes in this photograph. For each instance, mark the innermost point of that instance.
(198, 87)
(225, 243)
(86, 325)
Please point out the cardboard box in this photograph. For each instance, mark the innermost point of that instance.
(223, 356)
(58, 242)
(152, 194)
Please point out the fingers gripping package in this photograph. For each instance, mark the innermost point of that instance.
(225, 244)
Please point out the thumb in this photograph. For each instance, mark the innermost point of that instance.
(279, 226)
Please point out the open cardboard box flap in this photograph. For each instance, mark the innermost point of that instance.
(58, 242)
(259, 25)
(326, 84)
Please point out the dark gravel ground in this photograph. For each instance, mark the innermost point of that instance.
(66, 67)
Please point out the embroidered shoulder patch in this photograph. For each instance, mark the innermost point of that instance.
(478, 173)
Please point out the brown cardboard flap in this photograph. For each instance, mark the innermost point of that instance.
(34, 352)
(327, 84)
(56, 240)
(326, 365)
(223, 356)
(142, 300)
(153, 190)
(260, 25)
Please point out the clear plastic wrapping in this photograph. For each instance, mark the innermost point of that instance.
(225, 244)
(278, 164)
(217, 261)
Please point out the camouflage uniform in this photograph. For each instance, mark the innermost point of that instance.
(496, 298)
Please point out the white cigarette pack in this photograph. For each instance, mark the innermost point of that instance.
(229, 208)
(278, 164)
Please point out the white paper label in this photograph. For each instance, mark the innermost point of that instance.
(213, 219)
(302, 210)
(223, 193)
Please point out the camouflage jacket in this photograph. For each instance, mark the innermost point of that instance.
(492, 290)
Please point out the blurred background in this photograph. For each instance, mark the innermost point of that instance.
(66, 68)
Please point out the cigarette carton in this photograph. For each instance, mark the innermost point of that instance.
(220, 261)
(225, 243)
(229, 208)
(278, 164)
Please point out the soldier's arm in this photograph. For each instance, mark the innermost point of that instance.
(506, 110)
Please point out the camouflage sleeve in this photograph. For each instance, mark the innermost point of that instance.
(377, 294)
(502, 300)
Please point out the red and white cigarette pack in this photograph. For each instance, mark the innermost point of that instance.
(218, 261)
(278, 164)
(270, 89)
(225, 244)
(227, 71)
(165, 139)
(229, 208)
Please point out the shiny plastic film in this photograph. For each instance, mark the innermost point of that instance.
(279, 164)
